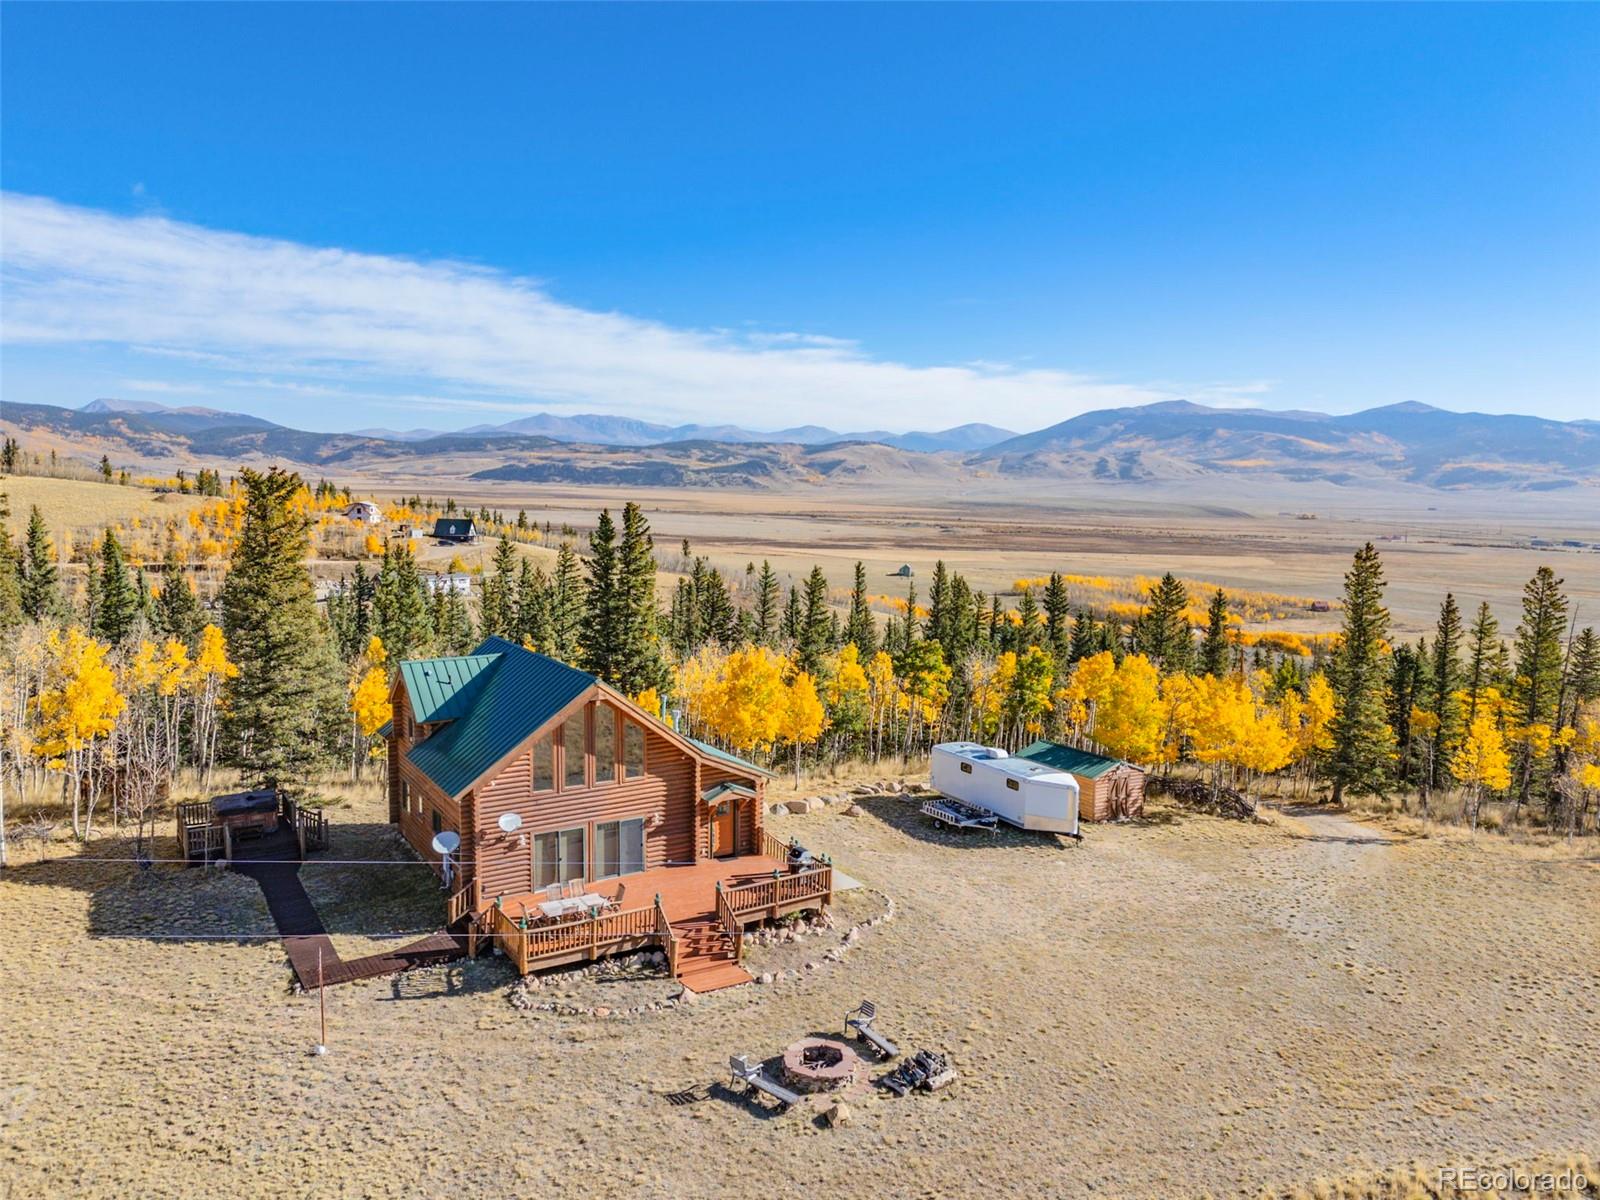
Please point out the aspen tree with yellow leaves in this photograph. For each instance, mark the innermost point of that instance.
(78, 709)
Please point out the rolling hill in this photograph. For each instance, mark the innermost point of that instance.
(1410, 443)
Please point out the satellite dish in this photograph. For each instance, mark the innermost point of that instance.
(510, 822)
(447, 842)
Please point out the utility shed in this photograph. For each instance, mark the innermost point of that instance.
(1108, 788)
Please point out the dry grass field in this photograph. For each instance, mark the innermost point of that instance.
(1476, 543)
(1179, 1006)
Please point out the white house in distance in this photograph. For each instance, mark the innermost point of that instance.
(457, 583)
(364, 511)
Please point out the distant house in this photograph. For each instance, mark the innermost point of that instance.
(905, 571)
(456, 529)
(364, 511)
(455, 583)
(1107, 787)
(571, 824)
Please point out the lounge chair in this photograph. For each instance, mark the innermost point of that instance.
(860, 1019)
(747, 1071)
(615, 903)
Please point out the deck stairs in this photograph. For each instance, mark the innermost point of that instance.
(707, 955)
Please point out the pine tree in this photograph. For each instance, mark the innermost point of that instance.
(1215, 653)
(452, 622)
(1086, 639)
(638, 662)
(1583, 674)
(117, 605)
(40, 591)
(1408, 682)
(288, 694)
(811, 643)
(1058, 617)
(765, 615)
(1536, 691)
(400, 616)
(1027, 628)
(10, 572)
(602, 604)
(1362, 740)
(498, 608)
(566, 605)
(860, 630)
(1444, 686)
(1484, 640)
(790, 623)
(1162, 632)
(533, 607)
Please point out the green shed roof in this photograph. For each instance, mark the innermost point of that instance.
(513, 695)
(442, 688)
(1069, 758)
(454, 526)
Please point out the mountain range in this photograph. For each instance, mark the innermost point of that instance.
(598, 429)
(1408, 442)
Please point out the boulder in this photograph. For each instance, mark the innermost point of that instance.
(839, 1114)
(855, 810)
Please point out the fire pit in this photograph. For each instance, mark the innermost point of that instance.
(819, 1064)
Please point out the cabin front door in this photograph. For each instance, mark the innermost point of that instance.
(722, 830)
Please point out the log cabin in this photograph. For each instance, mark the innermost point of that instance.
(557, 783)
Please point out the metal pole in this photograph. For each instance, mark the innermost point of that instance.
(322, 1004)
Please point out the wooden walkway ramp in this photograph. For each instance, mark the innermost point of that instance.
(271, 862)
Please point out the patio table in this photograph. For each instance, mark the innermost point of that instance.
(556, 909)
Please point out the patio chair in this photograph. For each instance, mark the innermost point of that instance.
(615, 903)
(748, 1072)
(860, 1019)
(574, 889)
(553, 891)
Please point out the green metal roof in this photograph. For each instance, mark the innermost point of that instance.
(732, 760)
(442, 688)
(454, 526)
(1069, 758)
(510, 698)
(713, 794)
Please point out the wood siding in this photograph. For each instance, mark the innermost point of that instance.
(1117, 793)
(665, 791)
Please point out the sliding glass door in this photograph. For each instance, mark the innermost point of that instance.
(558, 856)
(619, 847)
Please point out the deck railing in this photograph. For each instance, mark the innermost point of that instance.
(667, 939)
(772, 896)
(590, 938)
(730, 923)
(463, 903)
(774, 847)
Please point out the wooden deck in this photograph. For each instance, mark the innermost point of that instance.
(696, 913)
(271, 862)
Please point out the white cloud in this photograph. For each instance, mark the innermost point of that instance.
(464, 336)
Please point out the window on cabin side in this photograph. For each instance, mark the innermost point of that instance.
(438, 824)
(632, 749)
(572, 748)
(605, 744)
(544, 764)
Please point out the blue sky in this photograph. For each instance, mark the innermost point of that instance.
(863, 216)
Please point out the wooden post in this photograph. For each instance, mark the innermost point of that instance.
(227, 844)
(322, 1004)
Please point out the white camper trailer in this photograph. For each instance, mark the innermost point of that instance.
(1023, 793)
